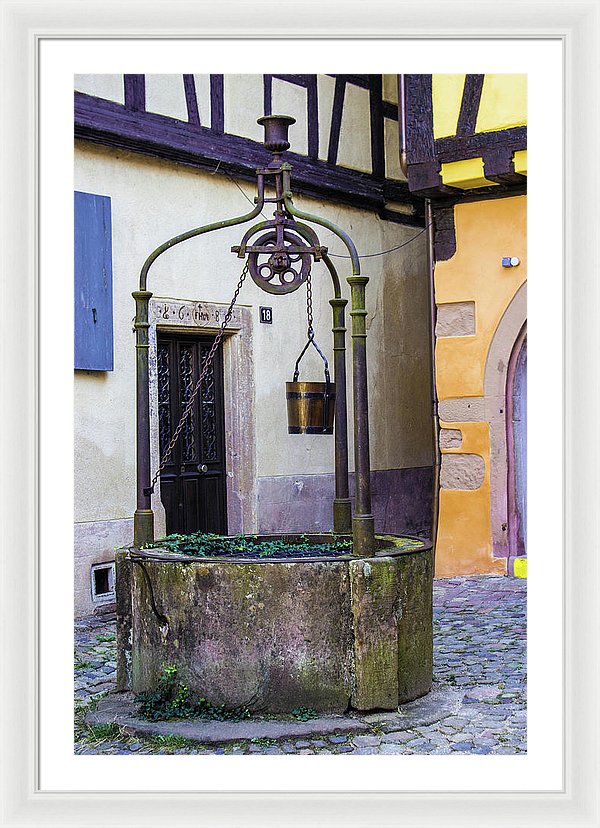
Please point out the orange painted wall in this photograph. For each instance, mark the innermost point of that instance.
(485, 232)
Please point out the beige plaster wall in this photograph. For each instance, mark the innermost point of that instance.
(153, 200)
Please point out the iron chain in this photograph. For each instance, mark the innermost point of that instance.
(309, 308)
(205, 366)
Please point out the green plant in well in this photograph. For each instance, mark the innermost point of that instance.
(104, 639)
(304, 714)
(203, 545)
(172, 700)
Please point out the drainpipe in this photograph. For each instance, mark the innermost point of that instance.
(402, 124)
(434, 398)
(432, 312)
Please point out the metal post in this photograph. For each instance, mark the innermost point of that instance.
(342, 507)
(363, 523)
(143, 519)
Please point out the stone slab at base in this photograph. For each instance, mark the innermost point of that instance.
(328, 634)
(120, 709)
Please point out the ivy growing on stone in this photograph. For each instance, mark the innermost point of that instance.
(172, 700)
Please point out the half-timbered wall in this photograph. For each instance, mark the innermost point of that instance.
(344, 142)
(467, 151)
(466, 133)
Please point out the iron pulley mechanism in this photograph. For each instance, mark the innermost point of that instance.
(278, 254)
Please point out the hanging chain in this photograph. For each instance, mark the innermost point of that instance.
(205, 366)
(309, 308)
(311, 334)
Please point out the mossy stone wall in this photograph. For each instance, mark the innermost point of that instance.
(275, 636)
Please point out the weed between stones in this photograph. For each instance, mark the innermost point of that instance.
(303, 714)
(172, 701)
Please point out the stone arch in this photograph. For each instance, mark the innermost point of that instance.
(509, 330)
(516, 508)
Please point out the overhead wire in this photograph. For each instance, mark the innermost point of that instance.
(332, 255)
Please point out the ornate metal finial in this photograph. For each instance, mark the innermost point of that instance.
(276, 135)
(279, 261)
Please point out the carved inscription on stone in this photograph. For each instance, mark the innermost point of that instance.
(193, 314)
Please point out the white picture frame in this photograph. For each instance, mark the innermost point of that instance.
(24, 25)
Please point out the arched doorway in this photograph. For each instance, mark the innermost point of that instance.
(516, 421)
(500, 370)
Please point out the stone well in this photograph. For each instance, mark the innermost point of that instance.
(275, 635)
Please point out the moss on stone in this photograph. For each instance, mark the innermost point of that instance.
(279, 635)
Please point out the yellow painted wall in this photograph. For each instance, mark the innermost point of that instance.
(464, 544)
(520, 162)
(503, 105)
(466, 175)
(485, 232)
(447, 92)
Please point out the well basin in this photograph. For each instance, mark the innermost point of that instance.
(274, 635)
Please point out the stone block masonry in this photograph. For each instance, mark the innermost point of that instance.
(477, 706)
(278, 635)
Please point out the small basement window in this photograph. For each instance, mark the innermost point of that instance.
(103, 583)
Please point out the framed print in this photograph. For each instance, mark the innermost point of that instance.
(163, 144)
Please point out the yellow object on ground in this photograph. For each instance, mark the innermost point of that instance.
(520, 567)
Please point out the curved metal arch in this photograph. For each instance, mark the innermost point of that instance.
(329, 225)
(337, 288)
(198, 231)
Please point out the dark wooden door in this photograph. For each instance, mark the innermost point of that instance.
(193, 483)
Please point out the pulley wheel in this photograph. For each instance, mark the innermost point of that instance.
(280, 271)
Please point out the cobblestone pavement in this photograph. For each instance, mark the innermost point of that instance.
(479, 648)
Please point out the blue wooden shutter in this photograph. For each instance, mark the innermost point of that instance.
(93, 283)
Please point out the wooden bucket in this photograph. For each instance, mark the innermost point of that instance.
(310, 407)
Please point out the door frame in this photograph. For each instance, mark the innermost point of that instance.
(513, 515)
(495, 384)
(180, 316)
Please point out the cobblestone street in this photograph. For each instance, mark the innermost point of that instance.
(479, 651)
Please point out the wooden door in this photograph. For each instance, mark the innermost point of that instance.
(193, 483)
